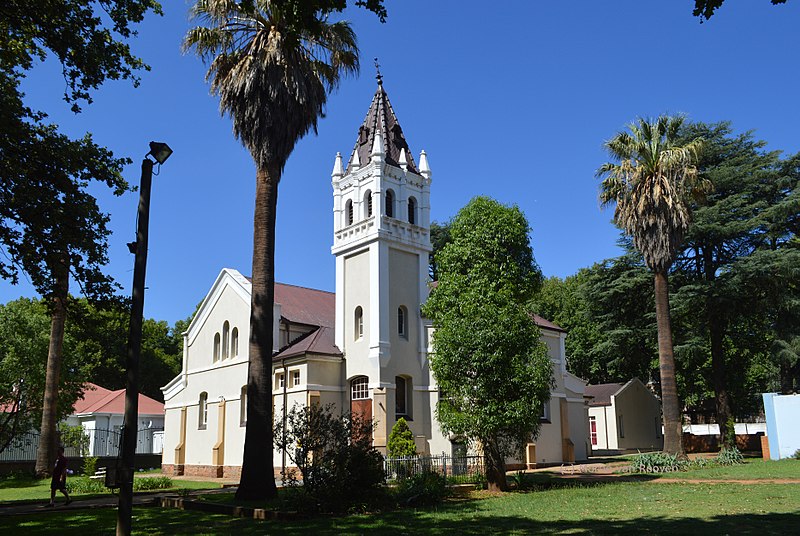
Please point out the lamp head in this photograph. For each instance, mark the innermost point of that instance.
(160, 151)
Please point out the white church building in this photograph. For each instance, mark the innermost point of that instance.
(363, 348)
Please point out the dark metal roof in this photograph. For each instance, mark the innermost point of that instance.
(381, 117)
(601, 393)
(320, 341)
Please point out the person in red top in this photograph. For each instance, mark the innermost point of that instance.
(59, 480)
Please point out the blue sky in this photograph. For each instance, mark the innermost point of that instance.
(510, 99)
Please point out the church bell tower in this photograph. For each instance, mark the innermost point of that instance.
(381, 240)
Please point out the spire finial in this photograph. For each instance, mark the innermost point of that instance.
(378, 75)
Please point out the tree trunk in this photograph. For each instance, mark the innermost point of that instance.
(258, 480)
(495, 466)
(716, 329)
(46, 452)
(673, 430)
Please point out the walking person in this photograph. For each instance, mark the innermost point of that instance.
(59, 480)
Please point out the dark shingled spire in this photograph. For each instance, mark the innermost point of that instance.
(381, 116)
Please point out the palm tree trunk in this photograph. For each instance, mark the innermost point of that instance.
(722, 400)
(46, 451)
(673, 431)
(258, 480)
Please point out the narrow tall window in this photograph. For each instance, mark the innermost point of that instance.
(358, 326)
(235, 342)
(359, 388)
(295, 378)
(389, 203)
(402, 322)
(412, 210)
(226, 335)
(348, 212)
(216, 347)
(620, 427)
(202, 411)
(368, 204)
(243, 407)
(593, 430)
(400, 397)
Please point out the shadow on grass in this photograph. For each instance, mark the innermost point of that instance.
(21, 481)
(158, 521)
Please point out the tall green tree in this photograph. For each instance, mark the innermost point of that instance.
(491, 367)
(272, 65)
(754, 208)
(651, 180)
(24, 342)
(50, 226)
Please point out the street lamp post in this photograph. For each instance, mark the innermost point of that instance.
(160, 152)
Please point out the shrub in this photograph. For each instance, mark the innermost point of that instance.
(148, 483)
(89, 465)
(656, 462)
(729, 456)
(84, 484)
(423, 489)
(339, 466)
(401, 441)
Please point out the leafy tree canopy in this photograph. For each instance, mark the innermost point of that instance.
(489, 362)
(705, 8)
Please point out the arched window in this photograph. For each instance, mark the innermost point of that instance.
(243, 407)
(389, 203)
(368, 204)
(402, 397)
(235, 342)
(402, 322)
(216, 347)
(359, 388)
(348, 212)
(202, 411)
(412, 210)
(358, 326)
(226, 336)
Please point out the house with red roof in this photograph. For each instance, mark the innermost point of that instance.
(100, 412)
(363, 348)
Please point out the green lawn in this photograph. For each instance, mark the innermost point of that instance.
(25, 488)
(752, 469)
(619, 508)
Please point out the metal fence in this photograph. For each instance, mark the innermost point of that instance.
(455, 468)
(100, 443)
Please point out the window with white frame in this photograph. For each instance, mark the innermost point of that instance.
(216, 347)
(593, 430)
(243, 407)
(280, 381)
(226, 335)
(545, 415)
(235, 342)
(348, 212)
(412, 210)
(359, 388)
(402, 321)
(368, 204)
(359, 323)
(389, 209)
(402, 397)
(202, 411)
(295, 378)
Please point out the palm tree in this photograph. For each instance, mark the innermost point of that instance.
(651, 183)
(271, 64)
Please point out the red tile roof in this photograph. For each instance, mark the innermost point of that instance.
(98, 399)
(306, 305)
